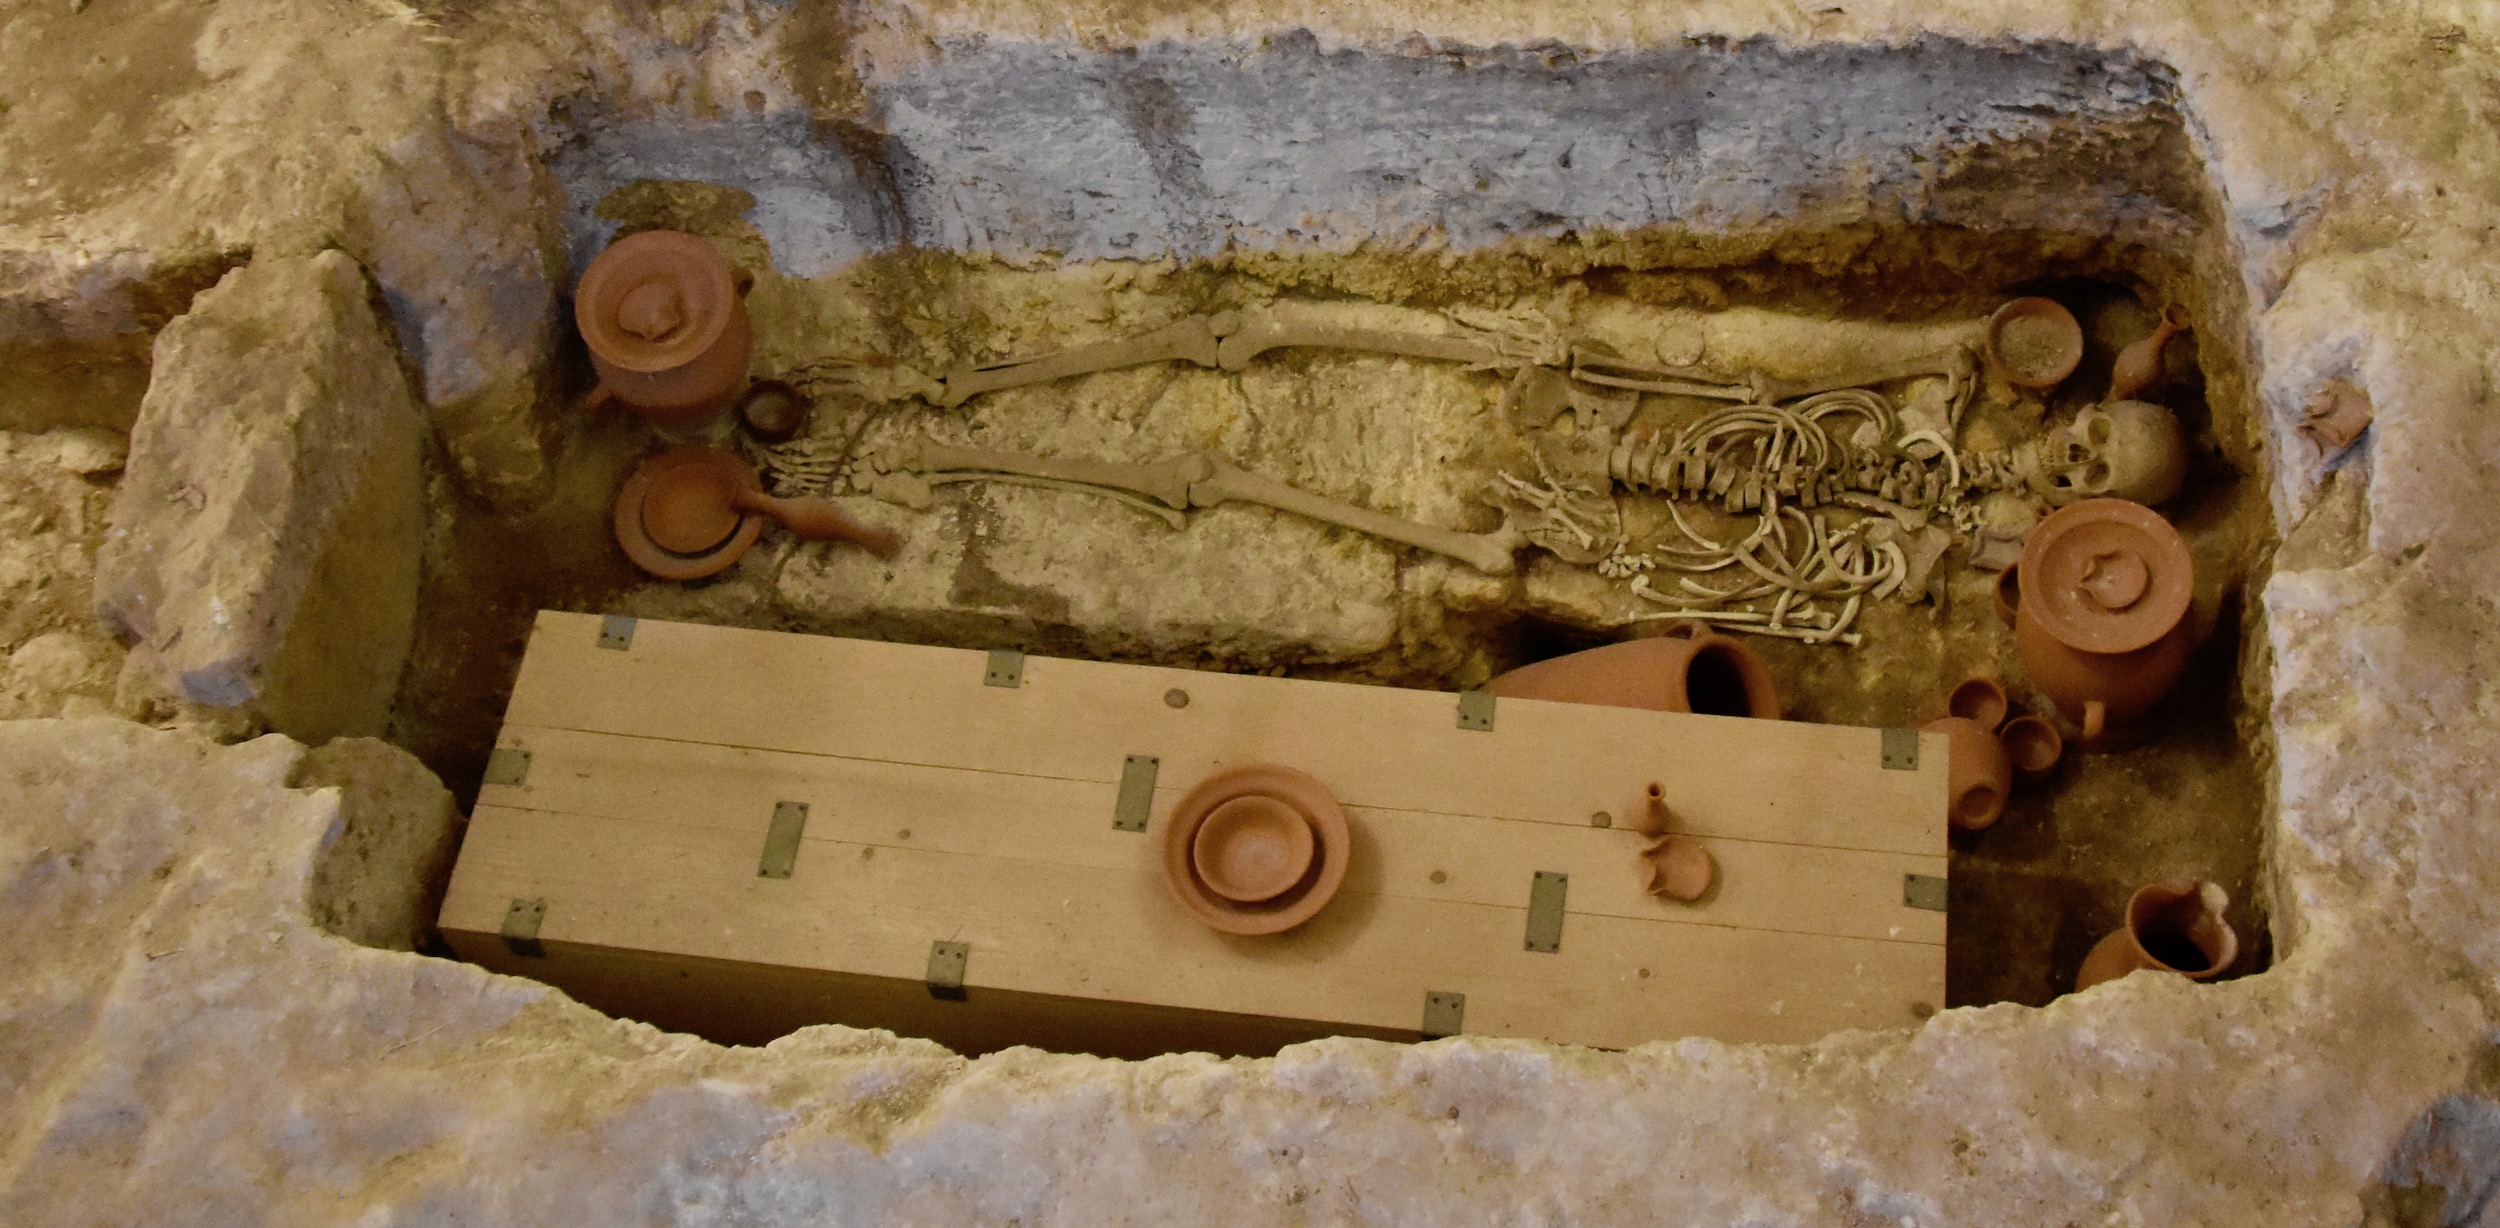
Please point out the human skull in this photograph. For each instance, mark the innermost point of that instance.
(2124, 449)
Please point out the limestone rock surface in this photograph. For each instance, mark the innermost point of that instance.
(264, 544)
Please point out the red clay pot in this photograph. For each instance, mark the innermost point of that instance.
(2033, 746)
(2034, 342)
(2101, 614)
(667, 331)
(2175, 926)
(1677, 868)
(1979, 774)
(1979, 698)
(1687, 669)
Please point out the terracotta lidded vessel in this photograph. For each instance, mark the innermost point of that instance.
(2175, 926)
(2101, 612)
(1688, 668)
(1257, 849)
(693, 511)
(667, 330)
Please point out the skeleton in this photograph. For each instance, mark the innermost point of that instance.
(1784, 455)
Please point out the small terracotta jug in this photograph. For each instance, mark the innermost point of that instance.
(667, 331)
(2101, 611)
(1689, 668)
(1651, 817)
(1677, 868)
(2033, 746)
(1978, 773)
(2175, 926)
(2139, 365)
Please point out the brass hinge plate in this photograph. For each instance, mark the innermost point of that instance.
(947, 961)
(520, 928)
(1445, 1014)
(1137, 793)
(781, 840)
(1545, 910)
(1006, 669)
(1475, 710)
(1924, 891)
(507, 765)
(1900, 750)
(616, 631)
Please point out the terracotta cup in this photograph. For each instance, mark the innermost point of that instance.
(1979, 698)
(667, 331)
(2033, 746)
(2101, 611)
(1978, 773)
(1687, 669)
(2175, 926)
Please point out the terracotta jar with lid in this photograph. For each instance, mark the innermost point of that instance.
(667, 330)
(2101, 613)
(1687, 668)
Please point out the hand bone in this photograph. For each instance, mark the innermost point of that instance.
(1191, 339)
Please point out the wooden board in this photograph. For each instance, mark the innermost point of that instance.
(944, 809)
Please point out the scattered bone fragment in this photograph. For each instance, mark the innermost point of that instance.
(1269, 331)
(1491, 553)
(1190, 339)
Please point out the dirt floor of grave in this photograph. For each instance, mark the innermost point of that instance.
(2029, 895)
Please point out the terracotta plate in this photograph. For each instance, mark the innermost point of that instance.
(1289, 908)
(669, 499)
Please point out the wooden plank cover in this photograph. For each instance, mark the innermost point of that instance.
(944, 809)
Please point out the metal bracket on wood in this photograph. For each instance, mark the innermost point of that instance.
(1475, 710)
(1924, 891)
(781, 841)
(946, 969)
(1545, 911)
(1137, 793)
(616, 631)
(1900, 750)
(506, 765)
(1445, 1014)
(520, 928)
(1006, 668)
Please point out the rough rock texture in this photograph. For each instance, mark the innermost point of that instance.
(54, 490)
(264, 546)
(260, 1071)
(378, 877)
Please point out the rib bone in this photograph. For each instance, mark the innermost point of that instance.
(1486, 552)
(1260, 334)
(1190, 339)
(1167, 482)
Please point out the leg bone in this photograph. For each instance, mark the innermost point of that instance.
(1191, 339)
(1260, 334)
(1490, 553)
(1167, 482)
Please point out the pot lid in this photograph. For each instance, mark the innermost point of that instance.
(2106, 575)
(655, 301)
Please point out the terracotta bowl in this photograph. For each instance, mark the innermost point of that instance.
(1252, 848)
(2035, 342)
(773, 411)
(673, 516)
(1271, 787)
